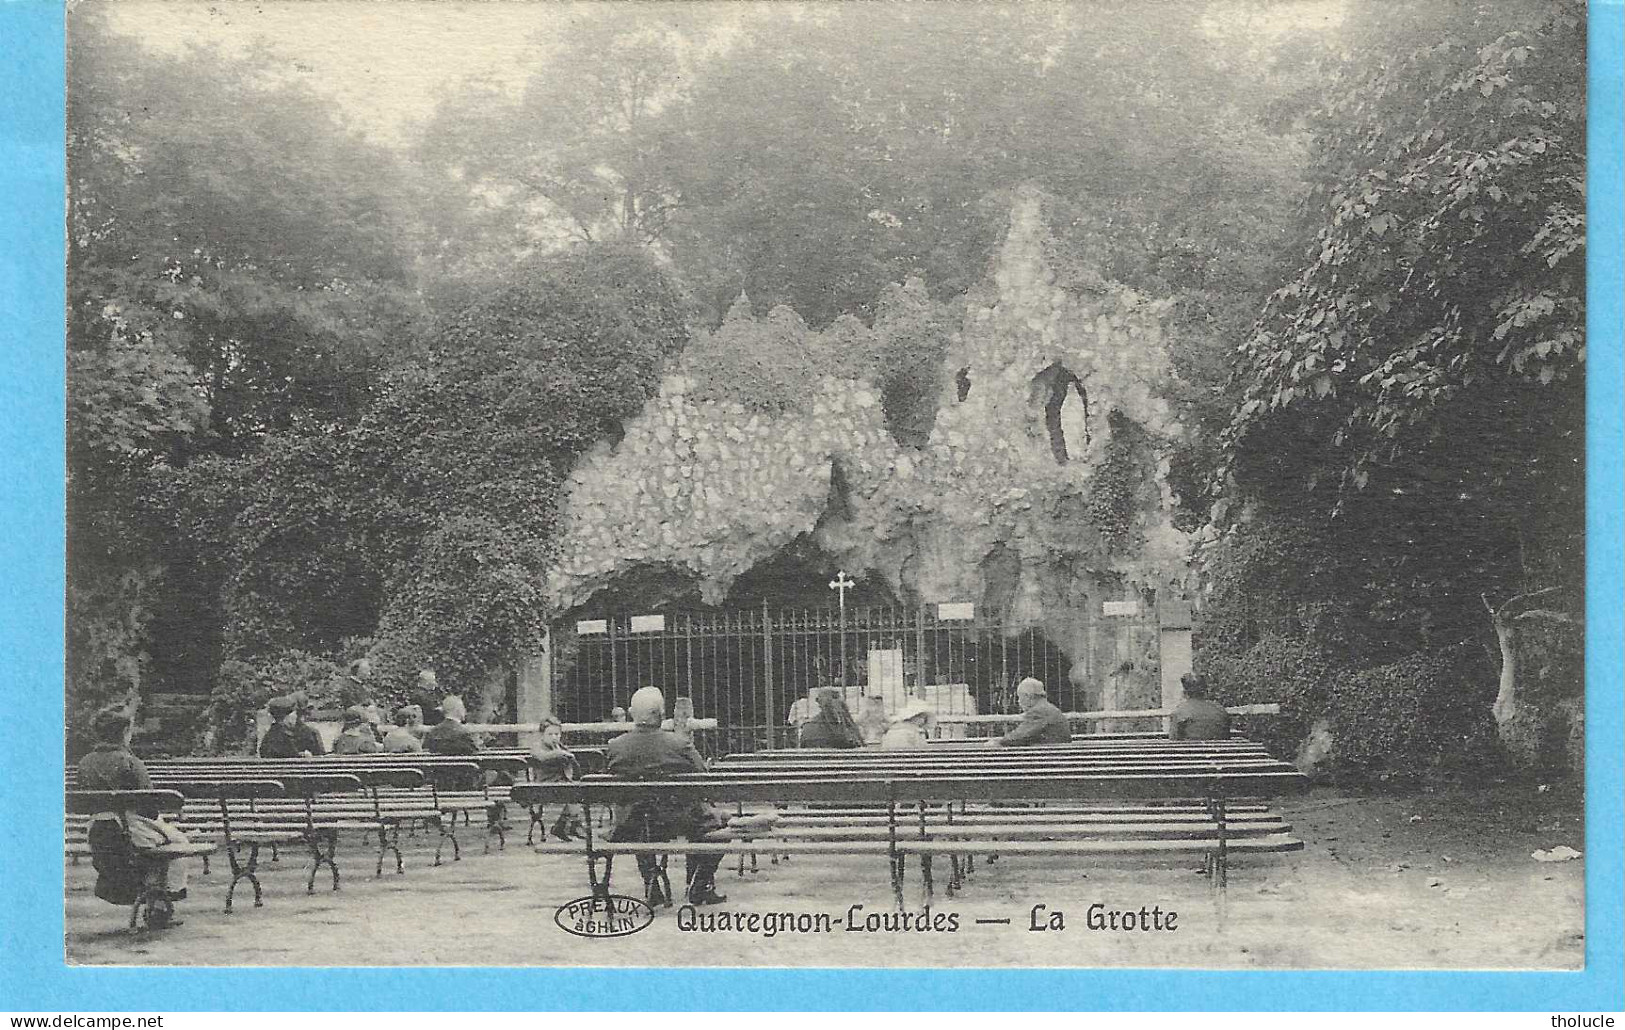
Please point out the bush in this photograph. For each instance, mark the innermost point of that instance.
(1412, 716)
(1294, 673)
(1425, 711)
(243, 688)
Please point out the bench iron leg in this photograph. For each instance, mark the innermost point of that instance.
(323, 858)
(447, 833)
(244, 871)
(925, 878)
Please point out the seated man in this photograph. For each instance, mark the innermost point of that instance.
(1197, 718)
(650, 753)
(1041, 722)
(448, 736)
(282, 740)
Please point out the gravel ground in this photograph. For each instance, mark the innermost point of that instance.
(1437, 879)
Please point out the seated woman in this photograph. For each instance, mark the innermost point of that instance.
(404, 735)
(111, 766)
(356, 738)
(831, 725)
(551, 761)
(910, 727)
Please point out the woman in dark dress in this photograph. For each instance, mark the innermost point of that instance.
(111, 766)
(832, 725)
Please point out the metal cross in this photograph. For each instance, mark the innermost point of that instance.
(843, 583)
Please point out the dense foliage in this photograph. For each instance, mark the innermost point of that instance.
(324, 391)
(420, 534)
(1407, 442)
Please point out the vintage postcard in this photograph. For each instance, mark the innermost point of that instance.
(1076, 485)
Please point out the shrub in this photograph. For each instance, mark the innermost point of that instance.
(1411, 716)
(244, 687)
(1292, 672)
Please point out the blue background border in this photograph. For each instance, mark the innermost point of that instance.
(32, 973)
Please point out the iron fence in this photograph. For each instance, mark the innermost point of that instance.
(747, 667)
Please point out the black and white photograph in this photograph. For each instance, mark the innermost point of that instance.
(1083, 484)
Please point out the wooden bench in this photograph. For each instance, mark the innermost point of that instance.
(151, 902)
(456, 782)
(890, 791)
(389, 794)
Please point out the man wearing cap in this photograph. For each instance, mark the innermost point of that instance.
(1197, 718)
(356, 738)
(281, 740)
(1041, 722)
(650, 753)
(304, 734)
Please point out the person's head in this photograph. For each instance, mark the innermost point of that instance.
(1029, 692)
(552, 731)
(1194, 685)
(617, 714)
(361, 668)
(452, 707)
(354, 716)
(369, 708)
(647, 707)
(284, 710)
(302, 705)
(828, 699)
(408, 715)
(112, 726)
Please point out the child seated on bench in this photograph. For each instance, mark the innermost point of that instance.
(550, 761)
(111, 766)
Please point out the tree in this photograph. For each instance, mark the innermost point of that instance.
(238, 264)
(1413, 397)
(425, 528)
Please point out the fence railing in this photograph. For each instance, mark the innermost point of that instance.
(731, 738)
(748, 667)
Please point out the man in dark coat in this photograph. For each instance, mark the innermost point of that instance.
(282, 740)
(1197, 718)
(650, 753)
(1041, 722)
(449, 736)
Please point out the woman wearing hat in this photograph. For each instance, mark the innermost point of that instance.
(356, 738)
(407, 733)
(911, 726)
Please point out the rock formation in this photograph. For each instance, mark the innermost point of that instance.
(1042, 487)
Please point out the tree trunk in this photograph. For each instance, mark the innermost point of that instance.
(1506, 698)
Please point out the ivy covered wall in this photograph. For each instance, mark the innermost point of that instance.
(1041, 485)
